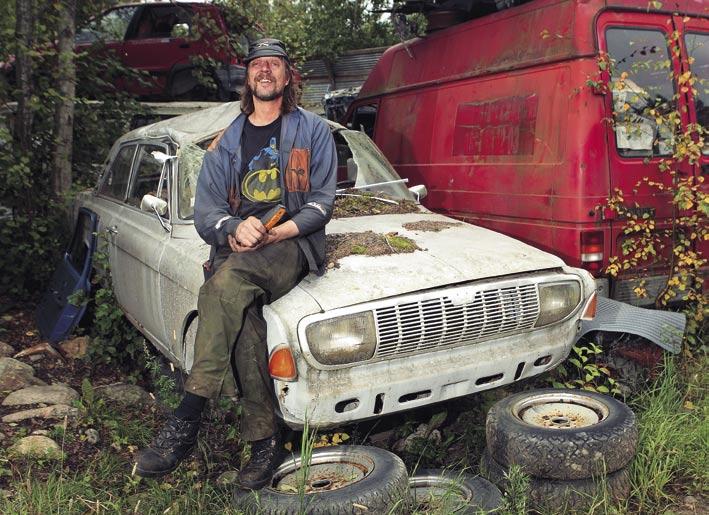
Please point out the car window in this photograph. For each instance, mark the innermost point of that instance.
(148, 172)
(642, 88)
(191, 157)
(364, 119)
(698, 51)
(161, 22)
(111, 26)
(115, 182)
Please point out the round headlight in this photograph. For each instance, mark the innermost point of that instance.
(341, 340)
(557, 301)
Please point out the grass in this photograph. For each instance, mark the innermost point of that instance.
(674, 430)
(670, 462)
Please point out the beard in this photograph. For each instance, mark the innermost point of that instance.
(271, 95)
(267, 97)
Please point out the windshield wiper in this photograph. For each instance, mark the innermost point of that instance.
(367, 186)
(388, 201)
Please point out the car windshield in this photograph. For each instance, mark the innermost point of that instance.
(361, 168)
(367, 168)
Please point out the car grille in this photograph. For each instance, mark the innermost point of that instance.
(432, 323)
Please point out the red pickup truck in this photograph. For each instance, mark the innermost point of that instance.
(164, 40)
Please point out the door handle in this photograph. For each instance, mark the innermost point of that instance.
(184, 45)
(113, 229)
(705, 169)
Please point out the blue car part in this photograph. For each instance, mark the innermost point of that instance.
(56, 316)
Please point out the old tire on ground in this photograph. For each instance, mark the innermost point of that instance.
(562, 434)
(341, 480)
(557, 496)
(446, 491)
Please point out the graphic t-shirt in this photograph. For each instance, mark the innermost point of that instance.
(260, 176)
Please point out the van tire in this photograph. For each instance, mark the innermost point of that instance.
(571, 434)
(465, 494)
(556, 496)
(385, 484)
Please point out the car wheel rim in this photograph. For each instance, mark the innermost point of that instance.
(328, 471)
(560, 410)
(435, 494)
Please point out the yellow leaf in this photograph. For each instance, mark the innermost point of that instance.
(688, 405)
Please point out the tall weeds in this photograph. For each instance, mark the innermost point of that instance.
(672, 449)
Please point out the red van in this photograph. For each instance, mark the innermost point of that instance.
(499, 117)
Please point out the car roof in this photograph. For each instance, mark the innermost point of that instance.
(194, 127)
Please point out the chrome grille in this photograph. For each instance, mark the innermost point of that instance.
(438, 322)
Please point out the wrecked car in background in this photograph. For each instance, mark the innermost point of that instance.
(166, 41)
(414, 307)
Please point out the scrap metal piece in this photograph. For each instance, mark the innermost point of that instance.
(663, 328)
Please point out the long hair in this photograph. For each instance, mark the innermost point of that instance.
(291, 93)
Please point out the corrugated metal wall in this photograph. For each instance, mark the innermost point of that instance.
(350, 70)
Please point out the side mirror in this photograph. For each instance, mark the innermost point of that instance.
(419, 192)
(180, 30)
(153, 204)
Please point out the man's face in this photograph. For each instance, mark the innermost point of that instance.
(267, 77)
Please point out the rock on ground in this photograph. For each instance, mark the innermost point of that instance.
(54, 394)
(36, 447)
(15, 375)
(55, 411)
(6, 350)
(122, 393)
(75, 348)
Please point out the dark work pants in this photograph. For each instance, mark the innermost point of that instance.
(231, 324)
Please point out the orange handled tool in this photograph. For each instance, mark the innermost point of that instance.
(274, 215)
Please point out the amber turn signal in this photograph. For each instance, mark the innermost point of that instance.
(590, 310)
(281, 364)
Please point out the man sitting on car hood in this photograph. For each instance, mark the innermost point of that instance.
(274, 152)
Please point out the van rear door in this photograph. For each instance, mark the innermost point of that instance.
(644, 108)
(694, 44)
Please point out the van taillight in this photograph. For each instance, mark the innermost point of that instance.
(592, 250)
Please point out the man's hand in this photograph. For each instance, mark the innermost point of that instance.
(249, 233)
(281, 232)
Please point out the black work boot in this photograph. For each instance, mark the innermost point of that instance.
(173, 442)
(265, 458)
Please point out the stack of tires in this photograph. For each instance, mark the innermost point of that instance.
(356, 479)
(574, 445)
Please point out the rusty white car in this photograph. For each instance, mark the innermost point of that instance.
(467, 311)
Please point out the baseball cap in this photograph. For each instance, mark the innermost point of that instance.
(267, 47)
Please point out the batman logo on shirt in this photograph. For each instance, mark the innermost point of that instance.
(262, 182)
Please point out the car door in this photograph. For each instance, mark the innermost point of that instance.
(139, 239)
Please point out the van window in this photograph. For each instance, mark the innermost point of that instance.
(642, 88)
(698, 50)
(364, 118)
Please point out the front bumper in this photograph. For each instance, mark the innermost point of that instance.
(339, 396)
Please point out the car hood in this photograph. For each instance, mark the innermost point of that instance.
(453, 255)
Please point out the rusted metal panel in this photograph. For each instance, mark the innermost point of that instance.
(535, 33)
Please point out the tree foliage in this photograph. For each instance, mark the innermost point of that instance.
(36, 230)
(314, 29)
